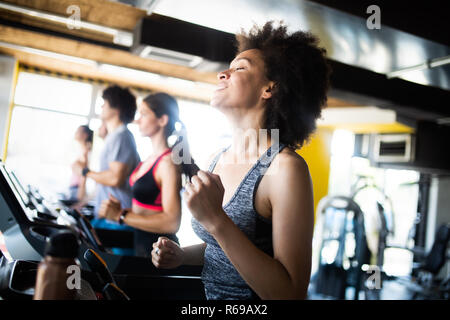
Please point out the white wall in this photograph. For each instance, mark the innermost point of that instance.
(7, 64)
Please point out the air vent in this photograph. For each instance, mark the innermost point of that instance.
(170, 56)
(393, 148)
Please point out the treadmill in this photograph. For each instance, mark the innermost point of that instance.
(27, 221)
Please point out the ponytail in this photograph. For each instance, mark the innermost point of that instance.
(164, 104)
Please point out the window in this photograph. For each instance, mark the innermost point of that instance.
(41, 146)
(35, 90)
(47, 112)
(208, 130)
(41, 142)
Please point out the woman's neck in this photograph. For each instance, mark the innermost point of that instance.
(159, 143)
(249, 140)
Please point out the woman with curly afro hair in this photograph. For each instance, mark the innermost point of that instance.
(256, 216)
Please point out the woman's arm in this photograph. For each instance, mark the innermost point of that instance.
(84, 161)
(81, 192)
(167, 221)
(194, 255)
(170, 255)
(291, 200)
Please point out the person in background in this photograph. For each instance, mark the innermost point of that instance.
(256, 217)
(102, 130)
(119, 155)
(156, 182)
(84, 137)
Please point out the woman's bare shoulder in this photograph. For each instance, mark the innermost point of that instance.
(166, 164)
(287, 166)
(290, 181)
(289, 159)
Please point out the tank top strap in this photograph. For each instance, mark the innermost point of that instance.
(155, 164)
(266, 159)
(262, 165)
(166, 152)
(216, 158)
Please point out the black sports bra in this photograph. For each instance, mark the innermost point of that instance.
(146, 192)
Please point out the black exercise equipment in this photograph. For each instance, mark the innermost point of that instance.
(110, 289)
(27, 221)
(343, 250)
(425, 284)
(17, 279)
(436, 258)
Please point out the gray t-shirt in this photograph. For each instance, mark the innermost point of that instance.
(119, 146)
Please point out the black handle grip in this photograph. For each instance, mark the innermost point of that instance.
(113, 292)
(98, 265)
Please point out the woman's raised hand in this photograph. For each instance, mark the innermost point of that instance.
(204, 196)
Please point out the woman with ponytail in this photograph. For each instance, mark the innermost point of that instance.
(156, 182)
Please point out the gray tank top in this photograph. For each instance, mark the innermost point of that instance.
(221, 280)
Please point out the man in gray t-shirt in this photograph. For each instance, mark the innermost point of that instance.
(118, 157)
(119, 147)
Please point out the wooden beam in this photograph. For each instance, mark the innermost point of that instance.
(74, 69)
(193, 93)
(107, 13)
(55, 26)
(100, 54)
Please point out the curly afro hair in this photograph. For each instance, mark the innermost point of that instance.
(298, 67)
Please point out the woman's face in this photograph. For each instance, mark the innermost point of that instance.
(80, 135)
(244, 85)
(148, 122)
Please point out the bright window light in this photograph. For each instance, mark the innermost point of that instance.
(208, 131)
(53, 93)
(41, 147)
(342, 143)
(143, 144)
(207, 128)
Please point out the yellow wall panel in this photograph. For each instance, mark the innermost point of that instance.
(317, 154)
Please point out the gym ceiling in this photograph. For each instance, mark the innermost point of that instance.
(370, 67)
